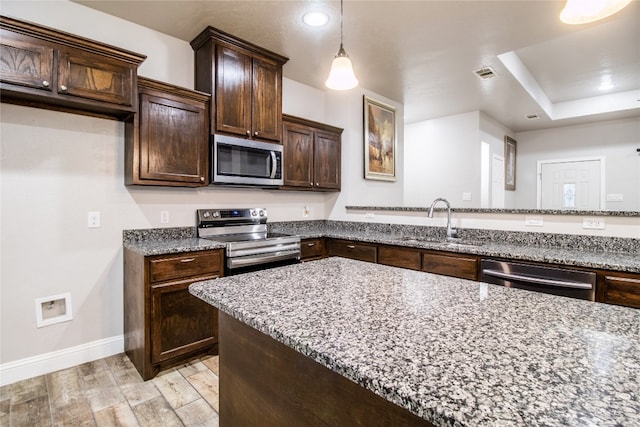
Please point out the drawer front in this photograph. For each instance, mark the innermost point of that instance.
(349, 249)
(170, 267)
(311, 249)
(451, 265)
(623, 290)
(400, 257)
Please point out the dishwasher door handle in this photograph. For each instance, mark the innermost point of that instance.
(537, 280)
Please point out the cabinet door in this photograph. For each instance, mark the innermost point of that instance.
(326, 160)
(354, 250)
(400, 257)
(25, 61)
(173, 140)
(298, 156)
(95, 77)
(622, 289)
(182, 323)
(311, 249)
(464, 267)
(267, 100)
(233, 91)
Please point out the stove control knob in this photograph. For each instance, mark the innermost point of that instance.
(262, 213)
(206, 214)
(254, 213)
(215, 214)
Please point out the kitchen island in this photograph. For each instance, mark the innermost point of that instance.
(447, 351)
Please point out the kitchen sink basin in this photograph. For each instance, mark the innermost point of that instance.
(443, 242)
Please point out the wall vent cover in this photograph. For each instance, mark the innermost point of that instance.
(485, 73)
(531, 116)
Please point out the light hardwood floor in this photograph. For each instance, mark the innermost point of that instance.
(110, 392)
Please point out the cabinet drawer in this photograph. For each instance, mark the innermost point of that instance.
(460, 266)
(184, 265)
(311, 249)
(400, 257)
(349, 249)
(622, 290)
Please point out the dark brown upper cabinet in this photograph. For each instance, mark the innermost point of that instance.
(47, 68)
(167, 143)
(312, 154)
(245, 82)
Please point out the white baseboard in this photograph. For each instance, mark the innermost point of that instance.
(61, 359)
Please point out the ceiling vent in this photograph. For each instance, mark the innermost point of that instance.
(485, 73)
(531, 116)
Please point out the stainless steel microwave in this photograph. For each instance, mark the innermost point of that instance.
(237, 161)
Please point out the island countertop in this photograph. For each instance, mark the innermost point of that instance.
(452, 351)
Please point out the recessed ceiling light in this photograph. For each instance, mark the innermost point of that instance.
(315, 19)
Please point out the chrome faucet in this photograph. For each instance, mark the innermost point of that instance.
(452, 233)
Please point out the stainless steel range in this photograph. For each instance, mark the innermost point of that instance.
(249, 245)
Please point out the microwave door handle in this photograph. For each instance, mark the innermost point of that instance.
(274, 162)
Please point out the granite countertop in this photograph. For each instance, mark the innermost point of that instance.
(172, 246)
(452, 351)
(578, 256)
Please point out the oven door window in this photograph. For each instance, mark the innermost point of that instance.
(233, 160)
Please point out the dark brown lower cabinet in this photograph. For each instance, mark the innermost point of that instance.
(451, 264)
(400, 257)
(353, 250)
(266, 383)
(619, 288)
(164, 324)
(312, 249)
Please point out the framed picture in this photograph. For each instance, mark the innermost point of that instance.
(509, 163)
(379, 140)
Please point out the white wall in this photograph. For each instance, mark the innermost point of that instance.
(442, 159)
(616, 140)
(345, 110)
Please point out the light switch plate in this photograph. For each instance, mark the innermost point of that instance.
(534, 221)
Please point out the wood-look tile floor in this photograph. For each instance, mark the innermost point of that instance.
(110, 392)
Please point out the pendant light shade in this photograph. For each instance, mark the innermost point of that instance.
(341, 76)
(584, 11)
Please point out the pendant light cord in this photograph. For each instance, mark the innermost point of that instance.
(341, 21)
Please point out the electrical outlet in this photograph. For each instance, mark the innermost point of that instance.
(93, 220)
(164, 217)
(593, 223)
(466, 197)
(615, 197)
(305, 211)
(369, 215)
(534, 221)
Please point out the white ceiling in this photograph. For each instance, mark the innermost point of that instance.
(422, 53)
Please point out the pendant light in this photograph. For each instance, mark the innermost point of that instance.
(341, 76)
(585, 11)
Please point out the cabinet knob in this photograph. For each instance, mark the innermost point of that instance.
(202, 179)
(317, 184)
(351, 247)
(45, 83)
(255, 134)
(248, 133)
(311, 184)
(63, 88)
(311, 245)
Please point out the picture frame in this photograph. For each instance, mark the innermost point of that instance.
(380, 140)
(509, 163)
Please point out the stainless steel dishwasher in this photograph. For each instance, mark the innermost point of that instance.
(550, 280)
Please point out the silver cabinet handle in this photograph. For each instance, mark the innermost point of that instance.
(351, 246)
(311, 244)
(45, 83)
(187, 260)
(63, 88)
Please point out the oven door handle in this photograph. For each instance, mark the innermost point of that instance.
(261, 259)
(274, 164)
(537, 280)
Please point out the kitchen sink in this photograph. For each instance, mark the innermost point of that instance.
(443, 242)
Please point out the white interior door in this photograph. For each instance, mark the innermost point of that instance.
(571, 184)
(497, 181)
